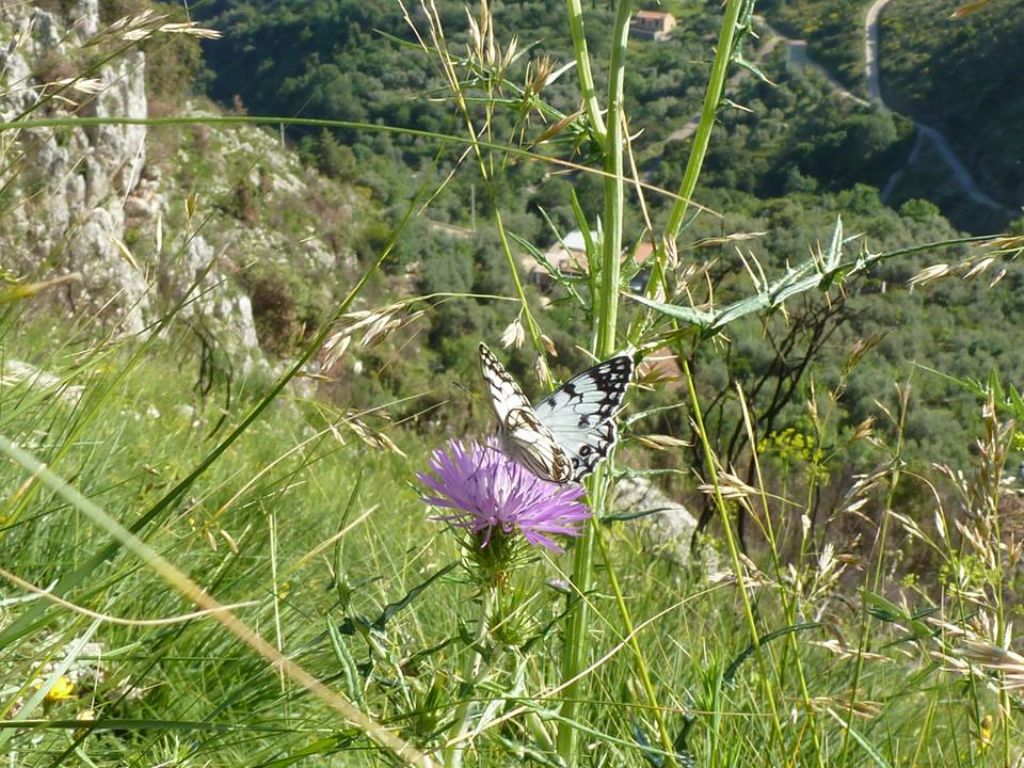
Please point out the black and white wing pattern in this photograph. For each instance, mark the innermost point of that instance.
(564, 436)
(581, 413)
(522, 435)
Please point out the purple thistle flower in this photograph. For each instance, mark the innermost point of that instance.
(492, 494)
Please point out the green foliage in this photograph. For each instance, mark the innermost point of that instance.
(834, 30)
(796, 135)
(283, 309)
(962, 75)
(331, 158)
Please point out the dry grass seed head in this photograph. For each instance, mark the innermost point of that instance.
(662, 442)
(371, 437)
(141, 26)
(483, 50)
(980, 267)
(541, 369)
(839, 707)
(993, 658)
(513, 335)
(926, 275)
(731, 487)
(538, 73)
(334, 348)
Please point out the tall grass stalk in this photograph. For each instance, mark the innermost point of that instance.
(789, 602)
(739, 569)
(873, 579)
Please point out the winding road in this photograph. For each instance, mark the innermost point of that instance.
(924, 132)
(798, 58)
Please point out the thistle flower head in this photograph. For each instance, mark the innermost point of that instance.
(492, 496)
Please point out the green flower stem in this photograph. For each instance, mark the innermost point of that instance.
(471, 675)
(586, 77)
(607, 306)
(606, 316)
(712, 97)
(575, 642)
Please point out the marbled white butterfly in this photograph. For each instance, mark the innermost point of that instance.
(565, 435)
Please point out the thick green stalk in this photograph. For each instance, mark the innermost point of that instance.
(606, 316)
(575, 642)
(607, 305)
(712, 97)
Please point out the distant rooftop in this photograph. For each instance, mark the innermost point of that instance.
(653, 25)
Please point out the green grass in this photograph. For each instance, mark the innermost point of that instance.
(191, 692)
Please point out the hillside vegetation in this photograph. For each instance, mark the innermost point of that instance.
(956, 72)
(787, 164)
(963, 76)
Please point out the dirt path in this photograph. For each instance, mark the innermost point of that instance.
(871, 50)
(872, 69)
(799, 58)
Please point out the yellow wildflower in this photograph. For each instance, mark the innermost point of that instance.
(985, 733)
(62, 690)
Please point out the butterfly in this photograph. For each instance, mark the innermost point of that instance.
(565, 435)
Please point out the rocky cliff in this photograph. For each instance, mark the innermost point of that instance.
(202, 213)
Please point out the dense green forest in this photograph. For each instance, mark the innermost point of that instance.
(788, 158)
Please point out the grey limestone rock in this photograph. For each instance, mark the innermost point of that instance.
(79, 195)
(666, 526)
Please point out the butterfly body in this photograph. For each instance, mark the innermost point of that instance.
(564, 436)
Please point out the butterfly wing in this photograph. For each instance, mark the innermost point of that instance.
(580, 414)
(524, 437)
(506, 395)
